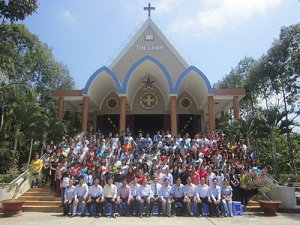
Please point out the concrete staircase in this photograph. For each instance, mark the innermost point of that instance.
(41, 200)
(252, 206)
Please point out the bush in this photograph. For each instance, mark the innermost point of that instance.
(284, 178)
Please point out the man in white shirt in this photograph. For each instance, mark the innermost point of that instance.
(214, 197)
(134, 197)
(177, 194)
(110, 195)
(155, 188)
(202, 195)
(80, 194)
(169, 176)
(95, 197)
(144, 195)
(189, 196)
(165, 196)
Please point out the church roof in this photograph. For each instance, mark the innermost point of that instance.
(149, 23)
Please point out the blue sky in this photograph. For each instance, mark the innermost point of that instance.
(213, 35)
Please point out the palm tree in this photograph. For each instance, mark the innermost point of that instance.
(8, 93)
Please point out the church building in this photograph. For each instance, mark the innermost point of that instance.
(149, 87)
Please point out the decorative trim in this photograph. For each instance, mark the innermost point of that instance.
(149, 100)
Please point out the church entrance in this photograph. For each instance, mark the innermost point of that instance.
(108, 123)
(189, 123)
(148, 124)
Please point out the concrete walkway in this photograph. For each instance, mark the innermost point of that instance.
(32, 218)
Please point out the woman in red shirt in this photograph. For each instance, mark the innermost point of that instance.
(203, 173)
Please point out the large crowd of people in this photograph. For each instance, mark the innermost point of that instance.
(179, 176)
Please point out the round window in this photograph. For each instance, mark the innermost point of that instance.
(185, 103)
(112, 103)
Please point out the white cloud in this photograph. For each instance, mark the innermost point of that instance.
(67, 16)
(222, 14)
(166, 5)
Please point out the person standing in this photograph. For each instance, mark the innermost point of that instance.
(46, 168)
(64, 182)
(36, 165)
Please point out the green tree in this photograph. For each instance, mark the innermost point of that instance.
(15, 10)
(283, 60)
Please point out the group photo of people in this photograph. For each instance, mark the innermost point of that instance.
(163, 175)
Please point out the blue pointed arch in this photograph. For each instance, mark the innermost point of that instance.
(95, 74)
(195, 69)
(139, 62)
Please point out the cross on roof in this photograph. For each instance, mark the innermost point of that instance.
(149, 8)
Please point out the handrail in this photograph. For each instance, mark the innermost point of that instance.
(277, 183)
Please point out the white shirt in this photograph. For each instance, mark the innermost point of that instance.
(201, 191)
(95, 191)
(170, 177)
(165, 192)
(190, 190)
(158, 187)
(134, 189)
(81, 191)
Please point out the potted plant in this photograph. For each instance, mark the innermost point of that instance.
(12, 206)
(260, 184)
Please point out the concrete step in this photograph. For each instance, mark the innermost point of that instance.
(43, 203)
(252, 203)
(39, 190)
(252, 209)
(28, 208)
(30, 194)
(40, 198)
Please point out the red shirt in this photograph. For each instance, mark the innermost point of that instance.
(203, 173)
(195, 178)
(140, 179)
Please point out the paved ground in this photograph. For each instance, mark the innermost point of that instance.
(33, 218)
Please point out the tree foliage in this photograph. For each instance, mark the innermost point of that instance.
(15, 10)
(270, 110)
(28, 72)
